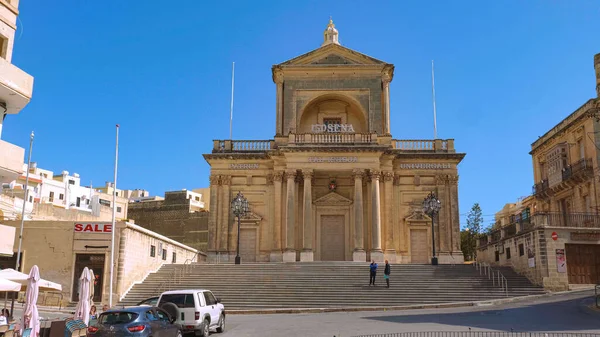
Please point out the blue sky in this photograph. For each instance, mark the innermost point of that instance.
(506, 71)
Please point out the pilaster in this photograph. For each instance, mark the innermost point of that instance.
(359, 254)
(213, 232)
(390, 250)
(307, 251)
(376, 252)
(227, 223)
(290, 217)
(278, 79)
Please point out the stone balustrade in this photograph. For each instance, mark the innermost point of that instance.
(437, 145)
(242, 145)
(332, 138)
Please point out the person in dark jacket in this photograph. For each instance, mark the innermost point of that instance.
(386, 273)
(372, 272)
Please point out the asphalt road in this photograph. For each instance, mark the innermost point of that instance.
(560, 313)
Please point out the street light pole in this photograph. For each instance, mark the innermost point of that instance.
(25, 196)
(239, 207)
(431, 206)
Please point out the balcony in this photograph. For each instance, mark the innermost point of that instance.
(568, 177)
(540, 189)
(242, 146)
(11, 161)
(580, 171)
(558, 219)
(332, 138)
(437, 145)
(16, 87)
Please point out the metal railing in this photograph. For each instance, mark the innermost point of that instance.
(180, 272)
(482, 334)
(571, 219)
(498, 279)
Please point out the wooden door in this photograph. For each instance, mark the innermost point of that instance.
(419, 251)
(248, 244)
(332, 238)
(583, 263)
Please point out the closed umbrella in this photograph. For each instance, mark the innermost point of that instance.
(82, 311)
(92, 285)
(30, 314)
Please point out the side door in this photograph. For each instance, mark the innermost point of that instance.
(169, 329)
(155, 324)
(212, 307)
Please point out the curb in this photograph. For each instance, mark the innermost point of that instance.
(398, 308)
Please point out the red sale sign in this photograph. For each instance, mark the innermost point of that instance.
(93, 227)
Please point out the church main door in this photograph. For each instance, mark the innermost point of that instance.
(332, 238)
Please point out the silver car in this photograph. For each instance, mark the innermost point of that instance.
(142, 321)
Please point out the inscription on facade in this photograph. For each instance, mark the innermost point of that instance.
(426, 166)
(332, 159)
(243, 166)
(585, 236)
(339, 128)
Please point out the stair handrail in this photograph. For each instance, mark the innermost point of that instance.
(497, 277)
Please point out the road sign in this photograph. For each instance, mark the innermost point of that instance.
(554, 236)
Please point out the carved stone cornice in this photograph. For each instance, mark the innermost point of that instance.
(387, 74)
(333, 148)
(358, 174)
(278, 176)
(225, 180)
(214, 180)
(388, 176)
(277, 75)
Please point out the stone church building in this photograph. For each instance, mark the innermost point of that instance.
(333, 185)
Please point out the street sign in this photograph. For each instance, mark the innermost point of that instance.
(554, 236)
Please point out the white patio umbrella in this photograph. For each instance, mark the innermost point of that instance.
(21, 278)
(82, 311)
(7, 285)
(30, 314)
(93, 280)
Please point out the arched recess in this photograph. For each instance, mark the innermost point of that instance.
(339, 107)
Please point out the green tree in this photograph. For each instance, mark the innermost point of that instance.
(473, 231)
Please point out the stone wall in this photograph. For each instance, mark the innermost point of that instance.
(135, 260)
(172, 218)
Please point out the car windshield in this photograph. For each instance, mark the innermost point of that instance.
(117, 317)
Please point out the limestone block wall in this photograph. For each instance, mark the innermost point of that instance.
(135, 260)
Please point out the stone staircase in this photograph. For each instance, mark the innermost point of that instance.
(328, 284)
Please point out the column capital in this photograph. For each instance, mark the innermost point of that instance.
(358, 174)
(375, 174)
(387, 74)
(308, 175)
(278, 176)
(397, 180)
(214, 180)
(269, 179)
(388, 176)
(225, 180)
(290, 174)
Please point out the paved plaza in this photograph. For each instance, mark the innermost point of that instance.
(560, 313)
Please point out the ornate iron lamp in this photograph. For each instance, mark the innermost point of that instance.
(431, 206)
(239, 207)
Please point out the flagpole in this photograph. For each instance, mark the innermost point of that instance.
(113, 229)
(231, 108)
(433, 97)
(25, 195)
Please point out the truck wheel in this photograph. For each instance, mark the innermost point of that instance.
(205, 329)
(221, 325)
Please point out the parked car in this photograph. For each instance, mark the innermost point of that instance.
(198, 310)
(141, 321)
(151, 302)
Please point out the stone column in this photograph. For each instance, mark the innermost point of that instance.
(359, 254)
(278, 79)
(386, 77)
(213, 233)
(307, 251)
(289, 255)
(276, 252)
(390, 250)
(376, 252)
(455, 220)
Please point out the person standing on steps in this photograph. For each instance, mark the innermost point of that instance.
(386, 273)
(372, 272)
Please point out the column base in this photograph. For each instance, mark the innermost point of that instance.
(211, 257)
(359, 256)
(276, 256)
(377, 256)
(390, 255)
(306, 256)
(451, 258)
(289, 256)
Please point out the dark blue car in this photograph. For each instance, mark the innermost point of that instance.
(142, 321)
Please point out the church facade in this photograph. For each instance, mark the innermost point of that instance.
(333, 185)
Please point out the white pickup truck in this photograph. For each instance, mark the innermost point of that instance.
(197, 310)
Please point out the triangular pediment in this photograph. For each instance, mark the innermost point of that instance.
(418, 216)
(333, 198)
(333, 54)
(251, 217)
